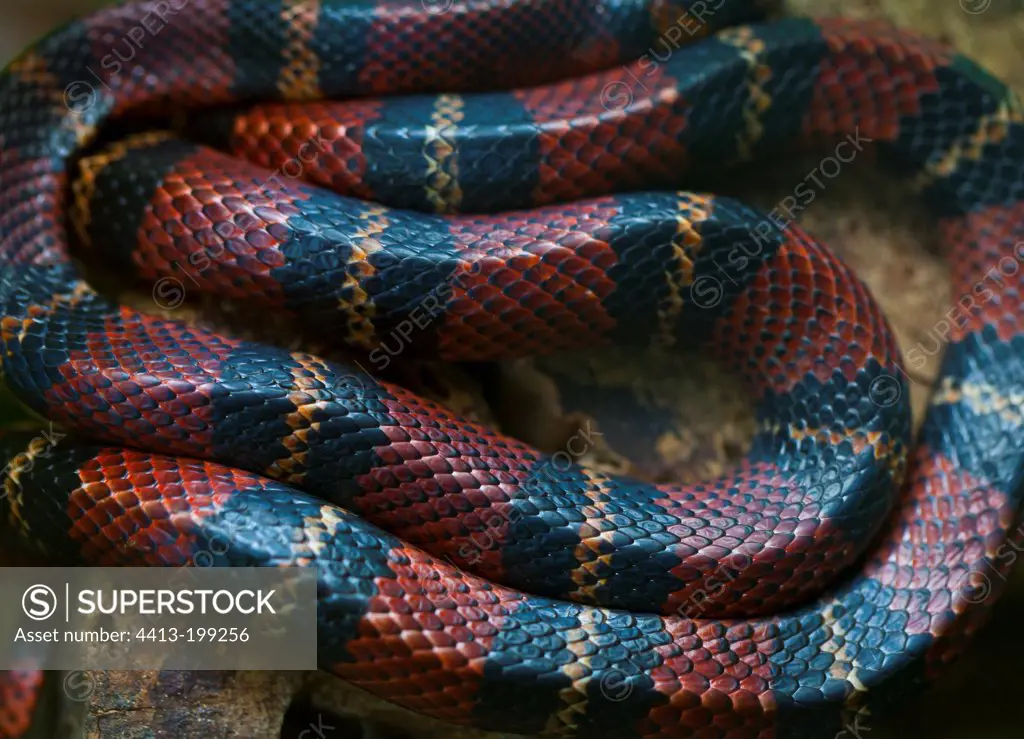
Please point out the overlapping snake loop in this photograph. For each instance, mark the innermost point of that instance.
(440, 149)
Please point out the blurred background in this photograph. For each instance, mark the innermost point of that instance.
(875, 226)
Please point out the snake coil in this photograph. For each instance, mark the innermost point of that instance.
(464, 158)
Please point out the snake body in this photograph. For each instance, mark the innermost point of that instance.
(611, 607)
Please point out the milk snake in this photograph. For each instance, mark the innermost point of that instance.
(458, 160)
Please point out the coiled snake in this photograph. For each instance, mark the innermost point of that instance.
(454, 171)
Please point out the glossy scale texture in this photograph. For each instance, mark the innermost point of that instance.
(597, 608)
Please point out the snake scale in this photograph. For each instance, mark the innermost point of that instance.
(507, 168)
